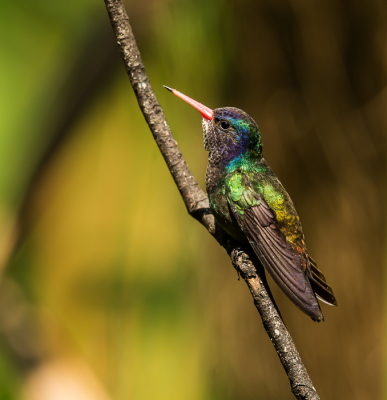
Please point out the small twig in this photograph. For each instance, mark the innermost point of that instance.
(243, 259)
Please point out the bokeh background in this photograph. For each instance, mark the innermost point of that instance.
(109, 290)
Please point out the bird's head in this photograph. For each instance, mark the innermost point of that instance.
(228, 132)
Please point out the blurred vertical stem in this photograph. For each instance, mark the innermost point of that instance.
(196, 201)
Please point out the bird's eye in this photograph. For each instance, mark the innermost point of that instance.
(224, 125)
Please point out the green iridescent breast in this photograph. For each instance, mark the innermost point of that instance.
(220, 208)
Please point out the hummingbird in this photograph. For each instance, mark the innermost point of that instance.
(249, 202)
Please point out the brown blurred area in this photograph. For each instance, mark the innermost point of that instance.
(109, 289)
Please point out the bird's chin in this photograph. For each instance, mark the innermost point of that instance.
(206, 124)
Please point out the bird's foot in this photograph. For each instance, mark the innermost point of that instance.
(242, 263)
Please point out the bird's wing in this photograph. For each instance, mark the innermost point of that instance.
(284, 263)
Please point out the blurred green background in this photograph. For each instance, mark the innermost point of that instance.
(109, 289)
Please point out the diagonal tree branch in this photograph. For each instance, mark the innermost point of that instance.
(196, 201)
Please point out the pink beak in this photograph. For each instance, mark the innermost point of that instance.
(205, 111)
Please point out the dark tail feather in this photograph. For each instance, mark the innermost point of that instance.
(319, 285)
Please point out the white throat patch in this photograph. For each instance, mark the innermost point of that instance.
(206, 124)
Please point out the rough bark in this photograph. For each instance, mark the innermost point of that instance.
(196, 201)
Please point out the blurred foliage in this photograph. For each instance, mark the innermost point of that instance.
(111, 291)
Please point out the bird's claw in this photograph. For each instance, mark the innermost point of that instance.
(234, 259)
